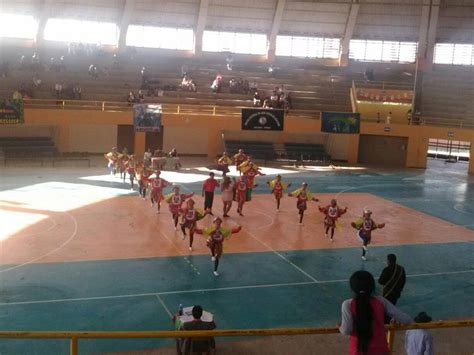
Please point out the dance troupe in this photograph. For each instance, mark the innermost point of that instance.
(183, 211)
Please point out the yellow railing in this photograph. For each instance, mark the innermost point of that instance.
(75, 336)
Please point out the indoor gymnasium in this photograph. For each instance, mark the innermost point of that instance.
(252, 177)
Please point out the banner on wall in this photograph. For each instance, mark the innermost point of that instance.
(255, 119)
(11, 111)
(147, 117)
(340, 122)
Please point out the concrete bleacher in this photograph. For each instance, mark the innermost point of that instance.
(447, 94)
(256, 149)
(305, 152)
(313, 88)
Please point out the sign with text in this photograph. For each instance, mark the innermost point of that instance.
(11, 111)
(147, 117)
(256, 119)
(340, 122)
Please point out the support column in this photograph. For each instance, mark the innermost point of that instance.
(427, 34)
(200, 26)
(275, 29)
(348, 32)
(44, 14)
(125, 21)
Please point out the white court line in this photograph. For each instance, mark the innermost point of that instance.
(276, 252)
(164, 306)
(73, 235)
(232, 288)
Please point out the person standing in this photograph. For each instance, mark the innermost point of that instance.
(362, 317)
(208, 188)
(392, 279)
(388, 119)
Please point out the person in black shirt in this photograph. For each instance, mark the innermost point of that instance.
(392, 279)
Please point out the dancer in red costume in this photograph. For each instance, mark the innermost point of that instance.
(239, 158)
(216, 235)
(227, 190)
(278, 187)
(332, 213)
(241, 187)
(190, 217)
(143, 175)
(364, 227)
(303, 195)
(175, 201)
(157, 186)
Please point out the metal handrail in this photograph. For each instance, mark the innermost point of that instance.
(384, 85)
(74, 336)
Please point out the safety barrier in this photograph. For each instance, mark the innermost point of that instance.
(75, 336)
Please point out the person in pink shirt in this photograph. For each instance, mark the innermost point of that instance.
(363, 317)
(208, 187)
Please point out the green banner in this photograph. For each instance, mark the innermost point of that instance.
(11, 111)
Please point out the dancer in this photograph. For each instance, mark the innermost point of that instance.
(251, 171)
(122, 164)
(277, 189)
(239, 158)
(364, 227)
(216, 235)
(241, 193)
(223, 163)
(190, 217)
(227, 189)
(303, 196)
(111, 157)
(143, 174)
(157, 186)
(175, 201)
(208, 187)
(332, 212)
(131, 167)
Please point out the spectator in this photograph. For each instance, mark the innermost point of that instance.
(216, 84)
(184, 70)
(287, 106)
(257, 100)
(36, 80)
(147, 158)
(363, 316)
(388, 119)
(369, 75)
(230, 61)
(93, 71)
(392, 279)
(208, 188)
(17, 95)
(131, 97)
(141, 96)
(77, 92)
(58, 88)
(188, 84)
(378, 117)
(419, 341)
(245, 87)
(274, 98)
(189, 346)
(175, 159)
(409, 116)
(267, 103)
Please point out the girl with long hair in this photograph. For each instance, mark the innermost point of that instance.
(227, 189)
(362, 317)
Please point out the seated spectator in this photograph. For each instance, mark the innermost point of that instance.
(36, 81)
(188, 84)
(58, 88)
(233, 85)
(187, 346)
(77, 92)
(267, 103)
(141, 96)
(274, 98)
(257, 100)
(216, 85)
(419, 341)
(93, 71)
(17, 95)
(369, 74)
(131, 97)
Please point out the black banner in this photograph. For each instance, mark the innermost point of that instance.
(255, 119)
(11, 111)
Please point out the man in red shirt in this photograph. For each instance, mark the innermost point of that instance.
(208, 188)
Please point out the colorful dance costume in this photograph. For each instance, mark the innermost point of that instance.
(364, 227)
(143, 175)
(302, 197)
(241, 187)
(332, 212)
(278, 187)
(157, 186)
(239, 158)
(112, 161)
(215, 239)
(131, 167)
(175, 201)
(223, 164)
(190, 216)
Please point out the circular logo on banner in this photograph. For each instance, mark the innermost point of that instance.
(262, 120)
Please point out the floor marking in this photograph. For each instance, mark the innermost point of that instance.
(73, 235)
(164, 306)
(231, 288)
(277, 253)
